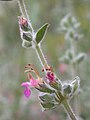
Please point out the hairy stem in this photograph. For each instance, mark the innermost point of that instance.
(41, 56)
(24, 13)
(66, 106)
(73, 74)
(69, 110)
(22, 8)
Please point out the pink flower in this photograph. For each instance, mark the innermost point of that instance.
(50, 76)
(27, 91)
(23, 21)
(26, 85)
(33, 82)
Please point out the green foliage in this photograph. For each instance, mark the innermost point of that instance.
(70, 58)
(41, 33)
(46, 97)
(26, 44)
(70, 54)
(76, 84)
(27, 37)
(49, 101)
(45, 88)
(56, 85)
(67, 89)
(47, 106)
(79, 58)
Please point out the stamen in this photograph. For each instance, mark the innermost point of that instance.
(25, 66)
(42, 70)
(27, 71)
(29, 76)
(29, 64)
(32, 69)
(47, 68)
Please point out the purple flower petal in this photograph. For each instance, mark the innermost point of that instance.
(27, 92)
(33, 83)
(25, 84)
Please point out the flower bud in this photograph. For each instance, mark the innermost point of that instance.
(50, 76)
(23, 23)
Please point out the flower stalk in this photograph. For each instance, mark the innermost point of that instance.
(24, 13)
(69, 110)
(41, 56)
(22, 8)
(74, 73)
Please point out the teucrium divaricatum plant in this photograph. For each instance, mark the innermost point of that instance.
(52, 92)
(69, 26)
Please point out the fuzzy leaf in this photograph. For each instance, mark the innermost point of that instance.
(41, 33)
(47, 105)
(67, 89)
(56, 85)
(46, 97)
(45, 88)
(70, 54)
(80, 58)
(27, 37)
(26, 44)
(76, 84)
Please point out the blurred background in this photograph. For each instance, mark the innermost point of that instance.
(13, 58)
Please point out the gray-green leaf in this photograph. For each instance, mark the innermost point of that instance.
(47, 105)
(79, 58)
(56, 85)
(41, 33)
(76, 84)
(67, 89)
(46, 97)
(26, 44)
(27, 37)
(70, 54)
(45, 88)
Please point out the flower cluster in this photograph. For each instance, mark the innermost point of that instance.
(49, 87)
